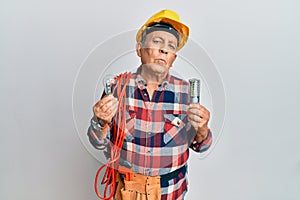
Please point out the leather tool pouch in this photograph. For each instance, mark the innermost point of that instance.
(139, 187)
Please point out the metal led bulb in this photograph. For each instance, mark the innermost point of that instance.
(107, 81)
(194, 90)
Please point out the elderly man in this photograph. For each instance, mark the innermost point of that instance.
(161, 123)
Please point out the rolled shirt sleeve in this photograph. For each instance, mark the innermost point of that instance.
(95, 138)
(203, 145)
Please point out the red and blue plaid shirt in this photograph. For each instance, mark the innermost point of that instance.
(158, 135)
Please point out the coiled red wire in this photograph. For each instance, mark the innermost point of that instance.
(109, 177)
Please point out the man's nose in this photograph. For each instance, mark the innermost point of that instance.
(163, 50)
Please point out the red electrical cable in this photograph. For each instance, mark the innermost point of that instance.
(109, 177)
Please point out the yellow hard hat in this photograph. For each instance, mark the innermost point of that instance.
(169, 17)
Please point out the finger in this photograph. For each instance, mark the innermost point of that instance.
(194, 118)
(104, 100)
(194, 111)
(197, 106)
(106, 104)
(114, 108)
(109, 110)
(198, 119)
(201, 111)
(194, 106)
(194, 124)
(103, 109)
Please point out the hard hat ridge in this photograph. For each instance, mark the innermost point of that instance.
(160, 27)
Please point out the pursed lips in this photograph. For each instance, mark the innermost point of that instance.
(161, 60)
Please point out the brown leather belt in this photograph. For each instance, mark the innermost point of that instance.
(126, 174)
(173, 174)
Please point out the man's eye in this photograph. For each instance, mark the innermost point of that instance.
(172, 47)
(156, 41)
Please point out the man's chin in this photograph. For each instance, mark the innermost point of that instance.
(157, 68)
(157, 65)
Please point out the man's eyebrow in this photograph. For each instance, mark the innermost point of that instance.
(169, 41)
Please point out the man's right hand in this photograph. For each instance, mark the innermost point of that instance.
(106, 108)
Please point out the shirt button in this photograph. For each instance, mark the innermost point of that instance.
(145, 94)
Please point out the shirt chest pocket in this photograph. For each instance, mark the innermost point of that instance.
(173, 126)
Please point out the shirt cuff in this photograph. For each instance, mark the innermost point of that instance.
(98, 143)
(203, 145)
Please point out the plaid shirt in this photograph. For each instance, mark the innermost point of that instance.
(158, 135)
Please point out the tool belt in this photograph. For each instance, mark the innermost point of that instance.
(140, 187)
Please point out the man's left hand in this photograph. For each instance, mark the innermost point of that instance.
(199, 116)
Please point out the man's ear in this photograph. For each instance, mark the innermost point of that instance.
(173, 59)
(138, 49)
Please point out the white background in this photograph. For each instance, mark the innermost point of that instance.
(255, 45)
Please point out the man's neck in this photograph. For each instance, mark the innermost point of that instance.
(153, 77)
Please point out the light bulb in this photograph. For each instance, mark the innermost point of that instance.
(107, 81)
(194, 90)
